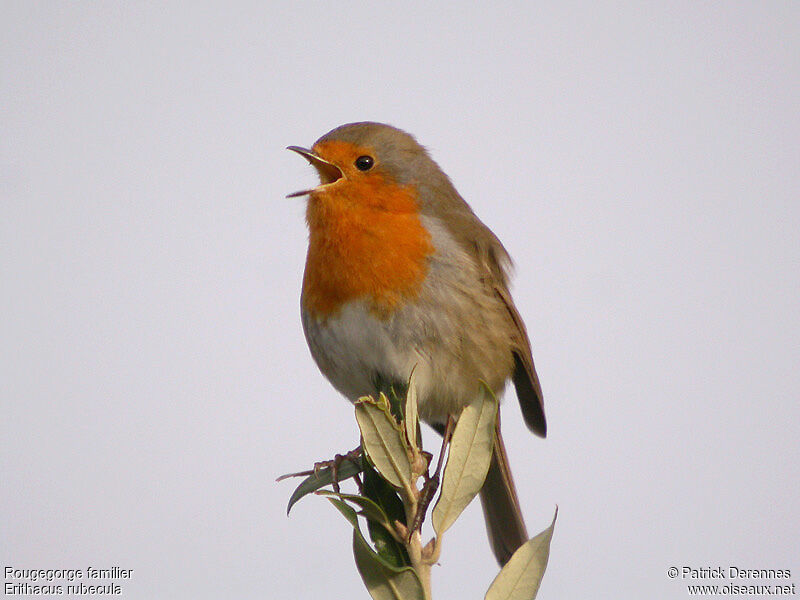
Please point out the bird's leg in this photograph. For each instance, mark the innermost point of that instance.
(431, 484)
(334, 465)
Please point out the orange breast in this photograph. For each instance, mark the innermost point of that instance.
(366, 242)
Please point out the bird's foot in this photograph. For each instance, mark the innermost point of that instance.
(328, 471)
(354, 456)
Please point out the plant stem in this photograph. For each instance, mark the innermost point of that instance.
(422, 567)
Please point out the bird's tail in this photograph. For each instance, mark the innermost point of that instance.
(501, 510)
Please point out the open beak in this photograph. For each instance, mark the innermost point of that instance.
(328, 172)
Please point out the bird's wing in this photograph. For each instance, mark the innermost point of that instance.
(476, 238)
(526, 382)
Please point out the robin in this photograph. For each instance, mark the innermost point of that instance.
(401, 275)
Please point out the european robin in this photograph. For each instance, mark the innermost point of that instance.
(401, 275)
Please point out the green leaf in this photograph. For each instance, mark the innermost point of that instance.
(396, 404)
(394, 392)
(378, 525)
(467, 460)
(383, 440)
(325, 477)
(386, 546)
(411, 416)
(350, 514)
(369, 509)
(347, 510)
(380, 491)
(383, 580)
(522, 575)
(385, 583)
(385, 496)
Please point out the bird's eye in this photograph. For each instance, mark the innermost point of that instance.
(364, 163)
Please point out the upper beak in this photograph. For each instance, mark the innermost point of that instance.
(328, 172)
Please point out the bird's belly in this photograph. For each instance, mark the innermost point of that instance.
(356, 348)
(353, 349)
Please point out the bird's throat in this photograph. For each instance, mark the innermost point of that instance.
(372, 248)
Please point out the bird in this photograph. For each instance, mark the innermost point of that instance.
(401, 276)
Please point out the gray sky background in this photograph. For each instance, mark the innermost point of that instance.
(639, 160)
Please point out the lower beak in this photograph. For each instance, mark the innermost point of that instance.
(328, 172)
